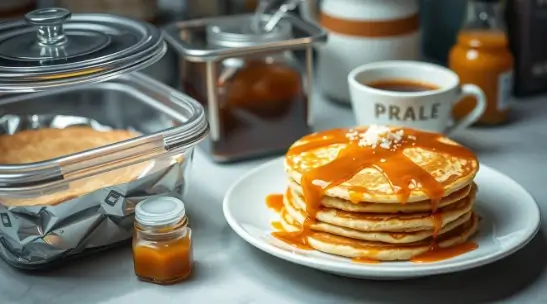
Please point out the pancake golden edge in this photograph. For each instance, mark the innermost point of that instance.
(401, 237)
(421, 206)
(352, 248)
(31, 146)
(383, 222)
(370, 185)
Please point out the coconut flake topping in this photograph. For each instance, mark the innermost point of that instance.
(377, 136)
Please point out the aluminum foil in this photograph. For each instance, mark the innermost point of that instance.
(38, 236)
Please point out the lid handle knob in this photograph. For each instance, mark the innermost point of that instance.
(50, 25)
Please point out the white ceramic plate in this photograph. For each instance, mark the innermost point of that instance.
(510, 219)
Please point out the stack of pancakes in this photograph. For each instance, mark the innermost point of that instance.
(378, 193)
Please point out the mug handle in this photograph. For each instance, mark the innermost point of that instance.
(471, 118)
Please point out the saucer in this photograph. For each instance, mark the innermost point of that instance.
(510, 219)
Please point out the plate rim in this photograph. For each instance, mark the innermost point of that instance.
(365, 270)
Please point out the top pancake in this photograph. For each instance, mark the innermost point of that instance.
(381, 163)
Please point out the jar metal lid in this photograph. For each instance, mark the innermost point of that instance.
(218, 38)
(241, 34)
(159, 211)
(53, 48)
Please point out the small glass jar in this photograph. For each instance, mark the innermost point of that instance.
(482, 57)
(162, 242)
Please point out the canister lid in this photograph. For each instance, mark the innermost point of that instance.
(159, 211)
(219, 38)
(241, 34)
(53, 48)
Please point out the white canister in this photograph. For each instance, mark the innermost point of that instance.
(360, 32)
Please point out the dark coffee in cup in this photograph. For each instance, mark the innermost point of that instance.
(402, 85)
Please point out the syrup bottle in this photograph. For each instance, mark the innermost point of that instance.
(481, 56)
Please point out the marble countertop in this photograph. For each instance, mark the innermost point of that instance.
(228, 270)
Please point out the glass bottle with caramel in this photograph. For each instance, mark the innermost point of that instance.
(481, 56)
(162, 242)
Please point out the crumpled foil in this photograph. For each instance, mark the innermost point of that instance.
(33, 237)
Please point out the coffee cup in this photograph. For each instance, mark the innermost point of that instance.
(412, 94)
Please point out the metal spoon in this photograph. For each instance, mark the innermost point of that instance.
(287, 6)
(259, 12)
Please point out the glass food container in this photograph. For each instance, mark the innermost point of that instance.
(58, 72)
(255, 90)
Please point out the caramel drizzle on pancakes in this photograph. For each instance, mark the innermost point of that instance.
(356, 156)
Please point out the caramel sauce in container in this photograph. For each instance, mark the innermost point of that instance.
(482, 57)
(255, 90)
(162, 242)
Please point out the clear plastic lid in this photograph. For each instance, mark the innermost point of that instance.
(159, 211)
(53, 48)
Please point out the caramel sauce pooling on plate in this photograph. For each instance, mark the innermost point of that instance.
(436, 254)
(275, 202)
(277, 226)
(356, 156)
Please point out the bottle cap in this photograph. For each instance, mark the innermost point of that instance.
(159, 211)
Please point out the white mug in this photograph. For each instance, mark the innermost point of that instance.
(429, 110)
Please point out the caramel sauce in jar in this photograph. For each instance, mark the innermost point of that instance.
(262, 106)
(482, 56)
(162, 241)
